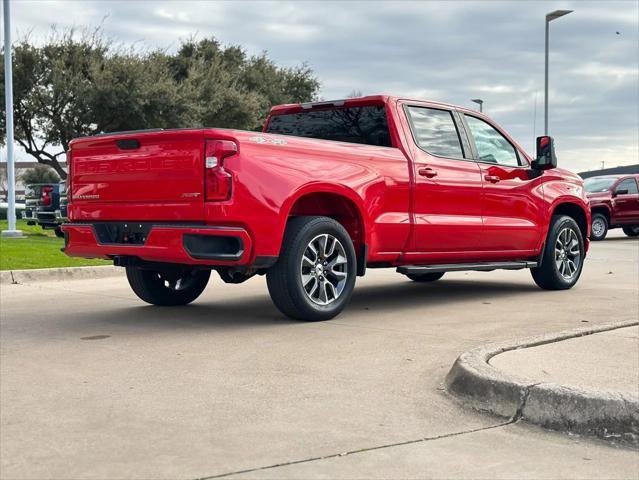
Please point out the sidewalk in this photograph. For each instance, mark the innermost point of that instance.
(583, 381)
(606, 361)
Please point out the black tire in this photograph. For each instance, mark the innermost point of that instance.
(549, 275)
(284, 279)
(425, 277)
(631, 230)
(58, 232)
(599, 227)
(167, 288)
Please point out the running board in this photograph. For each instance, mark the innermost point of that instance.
(462, 267)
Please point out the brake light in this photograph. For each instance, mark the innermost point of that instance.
(68, 181)
(45, 195)
(218, 183)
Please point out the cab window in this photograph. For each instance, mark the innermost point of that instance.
(435, 132)
(492, 146)
(628, 184)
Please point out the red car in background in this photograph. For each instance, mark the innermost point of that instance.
(327, 190)
(614, 203)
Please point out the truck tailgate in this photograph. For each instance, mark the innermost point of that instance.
(149, 167)
(147, 175)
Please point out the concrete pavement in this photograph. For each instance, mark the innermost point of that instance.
(94, 384)
(601, 361)
(520, 390)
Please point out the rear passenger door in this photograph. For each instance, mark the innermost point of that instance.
(511, 206)
(626, 198)
(447, 223)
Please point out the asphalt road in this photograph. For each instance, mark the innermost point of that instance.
(95, 384)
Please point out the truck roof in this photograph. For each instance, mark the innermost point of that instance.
(297, 107)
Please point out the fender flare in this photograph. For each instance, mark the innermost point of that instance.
(335, 189)
(602, 205)
(567, 199)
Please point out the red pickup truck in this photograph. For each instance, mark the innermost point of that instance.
(614, 203)
(327, 190)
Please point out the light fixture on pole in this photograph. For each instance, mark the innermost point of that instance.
(549, 18)
(8, 94)
(479, 102)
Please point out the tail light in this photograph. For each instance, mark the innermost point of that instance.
(67, 184)
(218, 183)
(45, 195)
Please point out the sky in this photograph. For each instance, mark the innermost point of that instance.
(448, 51)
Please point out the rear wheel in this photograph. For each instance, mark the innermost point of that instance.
(425, 277)
(169, 287)
(599, 227)
(563, 257)
(631, 230)
(314, 276)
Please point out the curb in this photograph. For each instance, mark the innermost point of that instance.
(593, 412)
(8, 277)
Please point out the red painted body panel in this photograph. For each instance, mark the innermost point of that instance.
(384, 202)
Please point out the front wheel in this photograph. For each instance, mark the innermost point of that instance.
(631, 230)
(563, 257)
(169, 287)
(314, 276)
(599, 227)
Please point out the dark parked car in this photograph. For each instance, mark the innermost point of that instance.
(614, 203)
(61, 213)
(42, 200)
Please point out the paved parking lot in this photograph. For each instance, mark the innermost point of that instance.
(95, 384)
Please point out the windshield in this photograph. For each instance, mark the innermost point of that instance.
(598, 184)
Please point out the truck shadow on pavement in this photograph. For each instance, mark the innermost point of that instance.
(615, 239)
(257, 310)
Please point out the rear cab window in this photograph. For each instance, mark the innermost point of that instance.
(366, 124)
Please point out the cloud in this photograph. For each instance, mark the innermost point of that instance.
(448, 51)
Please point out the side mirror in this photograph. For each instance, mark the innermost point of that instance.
(546, 158)
(623, 191)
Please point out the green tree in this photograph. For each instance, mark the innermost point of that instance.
(39, 174)
(229, 88)
(80, 83)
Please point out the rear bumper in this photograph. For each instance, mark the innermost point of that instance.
(183, 244)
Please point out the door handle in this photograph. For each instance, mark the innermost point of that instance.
(492, 178)
(427, 172)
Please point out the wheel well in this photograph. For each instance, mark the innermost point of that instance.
(577, 213)
(603, 210)
(337, 207)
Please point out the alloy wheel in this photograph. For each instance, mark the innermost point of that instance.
(598, 227)
(567, 253)
(324, 269)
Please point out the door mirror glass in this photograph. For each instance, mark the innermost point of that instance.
(621, 191)
(546, 158)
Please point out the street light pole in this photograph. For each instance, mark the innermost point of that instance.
(8, 94)
(549, 18)
(479, 102)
